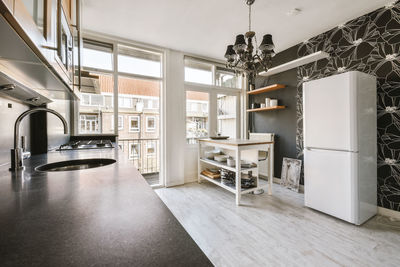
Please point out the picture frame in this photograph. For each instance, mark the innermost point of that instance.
(290, 174)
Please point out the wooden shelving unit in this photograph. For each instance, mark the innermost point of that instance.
(265, 109)
(268, 88)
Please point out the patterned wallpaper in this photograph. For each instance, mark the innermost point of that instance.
(369, 44)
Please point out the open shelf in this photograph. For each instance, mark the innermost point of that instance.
(230, 188)
(225, 166)
(268, 88)
(265, 109)
(295, 63)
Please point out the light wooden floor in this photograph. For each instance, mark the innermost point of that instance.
(277, 230)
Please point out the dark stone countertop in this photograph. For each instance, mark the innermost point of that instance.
(107, 216)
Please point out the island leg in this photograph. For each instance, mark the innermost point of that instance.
(238, 177)
(270, 167)
(199, 163)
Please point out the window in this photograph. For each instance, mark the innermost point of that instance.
(97, 55)
(89, 123)
(96, 98)
(92, 100)
(227, 78)
(150, 124)
(134, 124)
(125, 102)
(139, 97)
(134, 151)
(196, 116)
(137, 61)
(226, 115)
(151, 148)
(198, 72)
(120, 122)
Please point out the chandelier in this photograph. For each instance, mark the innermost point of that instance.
(240, 56)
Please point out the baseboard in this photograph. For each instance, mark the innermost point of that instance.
(389, 213)
(278, 181)
(174, 184)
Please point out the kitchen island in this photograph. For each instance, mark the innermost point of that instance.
(236, 148)
(104, 216)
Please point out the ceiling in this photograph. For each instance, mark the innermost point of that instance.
(205, 27)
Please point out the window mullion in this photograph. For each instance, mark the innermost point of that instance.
(115, 74)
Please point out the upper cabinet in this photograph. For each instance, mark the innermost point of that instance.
(9, 4)
(51, 29)
(67, 5)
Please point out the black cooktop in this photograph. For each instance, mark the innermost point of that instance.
(86, 144)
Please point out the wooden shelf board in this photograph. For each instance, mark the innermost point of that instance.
(268, 88)
(265, 109)
(225, 166)
(230, 188)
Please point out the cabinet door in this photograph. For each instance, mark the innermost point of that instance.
(66, 4)
(10, 5)
(33, 11)
(32, 16)
(329, 110)
(330, 182)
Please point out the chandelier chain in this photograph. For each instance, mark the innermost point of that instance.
(249, 18)
(247, 58)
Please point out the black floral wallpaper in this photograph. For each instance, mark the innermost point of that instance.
(370, 44)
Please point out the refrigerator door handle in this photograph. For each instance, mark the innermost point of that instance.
(329, 149)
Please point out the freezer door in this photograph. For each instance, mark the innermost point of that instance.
(329, 110)
(330, 179)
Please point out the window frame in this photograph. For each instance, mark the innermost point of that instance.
(147, 149)
(86, 120)
(116, 74)
(213, 92)
(122, 122)
(134, 157)
(148, 129)
(199, 109)
(215, 68)
(90, 100)
(134, 130)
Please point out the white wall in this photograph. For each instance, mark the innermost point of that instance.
(174, 110)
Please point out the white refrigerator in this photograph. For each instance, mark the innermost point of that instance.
(340, 146)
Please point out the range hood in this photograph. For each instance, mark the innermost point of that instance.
(23, 76)
(12, 88)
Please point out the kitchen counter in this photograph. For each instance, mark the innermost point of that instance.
(101, 216)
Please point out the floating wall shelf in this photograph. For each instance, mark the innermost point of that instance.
(265, 109)
(268, 88)
(295, 63)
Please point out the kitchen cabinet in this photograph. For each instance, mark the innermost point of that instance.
(32, 18)
(67, 6)
(64, 45)
(9, 4)
(51, 29)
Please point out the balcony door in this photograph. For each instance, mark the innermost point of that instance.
(122, 95)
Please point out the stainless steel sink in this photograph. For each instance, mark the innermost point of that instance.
(73, 165)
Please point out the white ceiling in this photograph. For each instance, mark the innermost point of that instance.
(205, 27)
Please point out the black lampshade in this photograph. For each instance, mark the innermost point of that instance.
(267, 43)
(230, 53)
(240, 44)
(240, 40)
